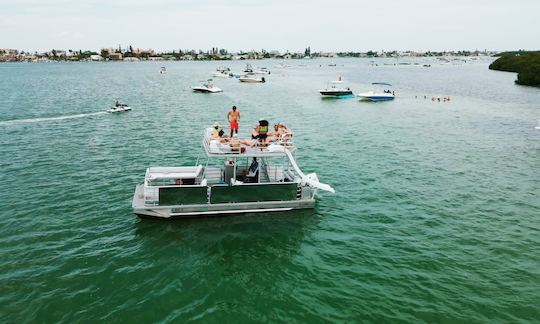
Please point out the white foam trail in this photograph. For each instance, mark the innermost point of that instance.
(45, 119)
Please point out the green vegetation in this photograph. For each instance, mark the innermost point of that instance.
(526, 64)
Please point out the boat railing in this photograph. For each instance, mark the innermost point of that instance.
(223, 145)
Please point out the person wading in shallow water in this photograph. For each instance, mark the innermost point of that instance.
(234, 119)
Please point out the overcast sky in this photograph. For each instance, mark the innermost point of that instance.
(331, 25)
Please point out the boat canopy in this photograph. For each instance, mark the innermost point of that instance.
(381, 83)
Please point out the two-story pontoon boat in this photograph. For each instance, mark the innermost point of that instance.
(234, 178)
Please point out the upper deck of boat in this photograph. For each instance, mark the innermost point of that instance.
(223, 148)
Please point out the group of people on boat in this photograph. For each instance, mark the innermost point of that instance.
(261, 134)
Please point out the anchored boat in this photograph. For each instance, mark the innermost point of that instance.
(207, 87)
(236, 177)
(336, 89)
(223, 72)
(251, 78)
(377, 95)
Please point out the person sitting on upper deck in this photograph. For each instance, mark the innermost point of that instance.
(281, 133)
(260, 132)
(217, 133)
(236, 144)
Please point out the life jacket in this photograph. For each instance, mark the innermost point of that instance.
(263, 127)
(263, 130)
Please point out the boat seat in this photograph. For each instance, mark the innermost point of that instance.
(252, 175)
(166, 173)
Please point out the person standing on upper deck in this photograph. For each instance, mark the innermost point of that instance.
(234, 119)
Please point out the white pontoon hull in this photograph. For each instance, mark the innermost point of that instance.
(206, 210)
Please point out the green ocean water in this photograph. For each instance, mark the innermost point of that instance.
(436, 217)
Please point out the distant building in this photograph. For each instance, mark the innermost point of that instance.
(327, 54)
(147, 52)
(115, 56)
(8, 55)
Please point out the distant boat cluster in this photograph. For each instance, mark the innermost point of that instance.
(249, 75)
(337, 89)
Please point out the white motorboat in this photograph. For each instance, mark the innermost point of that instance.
(282, 66)
(377, 95)
(251, 78)
(207, 87)
(235, 178)
(249, 68)
(222, 72)
(262, 70)
(336, 89)
(538, 127)
(118, 108)
(163, 70)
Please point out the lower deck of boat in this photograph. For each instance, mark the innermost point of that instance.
(222, 200)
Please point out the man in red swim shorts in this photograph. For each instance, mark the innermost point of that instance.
(234, 118)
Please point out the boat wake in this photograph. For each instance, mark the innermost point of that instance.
(45, 119)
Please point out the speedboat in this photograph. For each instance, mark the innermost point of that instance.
(336, 89)
(163, 70)
(332, 64)
(262, 70)
(119, 107)
(377, 95)
(246, 180)
(249, 68)
(251, 78)
(222, 72)
(538, 127)
(282, 66)
(207, 87)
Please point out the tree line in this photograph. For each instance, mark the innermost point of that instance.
(525, 63)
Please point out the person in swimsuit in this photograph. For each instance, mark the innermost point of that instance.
(234, 118)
